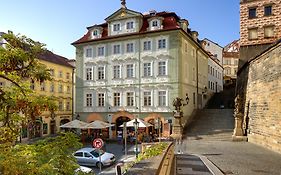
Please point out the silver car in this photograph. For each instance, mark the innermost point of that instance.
(90, 157)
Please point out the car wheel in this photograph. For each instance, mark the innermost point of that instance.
(99, 164)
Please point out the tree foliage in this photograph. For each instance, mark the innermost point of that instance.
(46, 157)
(20, 105)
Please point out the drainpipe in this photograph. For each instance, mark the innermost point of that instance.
(72, 94)
(139, 77)
(197, 83)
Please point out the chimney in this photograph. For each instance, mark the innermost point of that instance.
(184, 24)
(194, 35)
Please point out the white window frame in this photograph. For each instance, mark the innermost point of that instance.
(101, 73)
(88, 52)
(116, 71)
(162, 68)
(101, 51)
(161, 44)
(130, 97)
(88, 99)
(130, 25)
(162, 98)
(147, 98)
(130, 47)
(156, 21)
(147, 45)
(130, 71)
(101, 99)
(114, 49)
(89, 73)
(116, 27)
(147, 69)
(116, 99)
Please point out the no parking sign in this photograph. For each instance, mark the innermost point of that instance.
(98, 143)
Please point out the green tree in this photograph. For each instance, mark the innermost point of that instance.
(18, 66)
(19, 104)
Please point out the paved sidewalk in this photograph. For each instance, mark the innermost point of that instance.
(236, 158)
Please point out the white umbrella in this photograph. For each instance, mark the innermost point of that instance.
(75, 124)
(98, 124)
(142, 124)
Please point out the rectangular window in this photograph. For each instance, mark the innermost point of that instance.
(162, 96)
(146, 45)
(147, 98)
(130, 25)
(116, 49)
(101, 99)
(89, 52)
(130, 70)
(162, 44)
(252, 13)
(130, 47)
(162, 68)
(154, 23)
(268, 10)
(60, 74)
(147, 69)
(89, 73)
(60, 88)
(101, 73)
(268, 31)
(67, 75)
(42, 86)
(60, 106)
(117, 71)
(89, 100)
(130, 99)
(253, 33)
(68, 106)
(116, 99)
(52, 72)
(52, 87)
(68, 89)
(116, 27)
(100, 51)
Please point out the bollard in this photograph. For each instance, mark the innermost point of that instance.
(118, 169)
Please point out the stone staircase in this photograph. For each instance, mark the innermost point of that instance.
(211, 125)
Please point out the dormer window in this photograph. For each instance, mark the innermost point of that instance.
(95, 33)
(155, 23)
(116, 27)
(130, 25)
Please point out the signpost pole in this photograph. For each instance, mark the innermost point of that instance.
(100, 159)
(125, 138)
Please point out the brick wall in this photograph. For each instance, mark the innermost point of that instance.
(263, 100)
(260, 21)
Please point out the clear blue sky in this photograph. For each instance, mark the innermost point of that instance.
(58, 23)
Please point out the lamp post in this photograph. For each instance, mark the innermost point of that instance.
(136, 125)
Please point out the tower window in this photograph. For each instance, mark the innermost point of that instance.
(253, 33)
(268, 10)
(252, 13)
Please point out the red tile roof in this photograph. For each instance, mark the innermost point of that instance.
(54, 58)
(170, 22)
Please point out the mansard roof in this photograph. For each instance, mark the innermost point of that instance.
(170, 22)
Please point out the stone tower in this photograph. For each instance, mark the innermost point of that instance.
(260, 27)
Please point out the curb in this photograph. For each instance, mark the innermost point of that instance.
(212, 167)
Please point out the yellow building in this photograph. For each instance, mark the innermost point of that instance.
(61, 88)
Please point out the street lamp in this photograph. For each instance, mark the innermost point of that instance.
(136, 125)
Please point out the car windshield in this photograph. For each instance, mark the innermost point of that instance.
(96, 152)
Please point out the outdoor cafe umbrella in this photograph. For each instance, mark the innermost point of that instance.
(98, 124)
(75, 124)
(142, 124)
